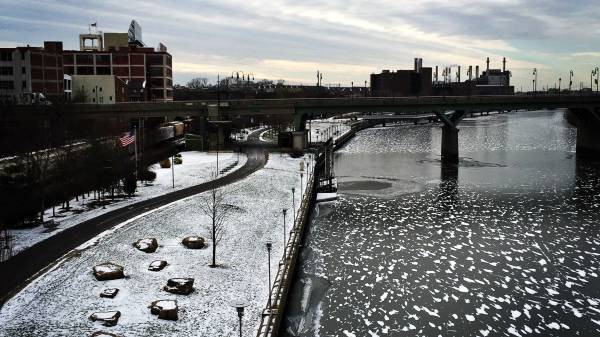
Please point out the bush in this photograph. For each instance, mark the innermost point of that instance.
(129, 184)
(147, 175)
(178, 155)
(178, 161)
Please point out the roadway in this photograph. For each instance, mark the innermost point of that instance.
(21, 269)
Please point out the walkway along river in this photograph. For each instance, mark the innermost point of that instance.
(507, 243)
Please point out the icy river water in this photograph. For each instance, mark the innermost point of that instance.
(507, 243)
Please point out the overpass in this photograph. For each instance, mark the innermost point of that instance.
(301, 109)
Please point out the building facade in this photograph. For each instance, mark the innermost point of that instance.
(98, 89)
(31, 70)
(416, 82)
(147, 73)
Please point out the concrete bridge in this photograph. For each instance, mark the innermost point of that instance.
(450, 110)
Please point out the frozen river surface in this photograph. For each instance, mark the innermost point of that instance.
(505, 244)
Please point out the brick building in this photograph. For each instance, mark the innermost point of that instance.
(416, 82)
(27, 70)
(147, 72)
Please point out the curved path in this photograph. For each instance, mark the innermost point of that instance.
(17, 271)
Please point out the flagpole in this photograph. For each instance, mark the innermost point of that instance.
(136, 152)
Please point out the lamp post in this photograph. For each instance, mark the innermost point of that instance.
(559, 80)
(535, 73)
(269, 245)
(173, 170)
(284, 211)
(597, 77)
(592, 79)
(239, 306)
(570, 80)
(294, 203)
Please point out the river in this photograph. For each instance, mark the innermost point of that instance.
(507, 243)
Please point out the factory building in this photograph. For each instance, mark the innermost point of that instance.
(490, 82)
(415, 82)
(147, 73)
(28, 71)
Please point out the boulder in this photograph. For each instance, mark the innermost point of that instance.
(165, 309)
(146, 245)
(103, 334)
(109, 292)
(108, 271)
(157, 265)
(180, 286)
(106, 318)
(194, 242)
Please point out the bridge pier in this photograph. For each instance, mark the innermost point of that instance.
(449, 144)
(588, 142)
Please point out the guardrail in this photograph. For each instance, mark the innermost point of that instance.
(272, 316)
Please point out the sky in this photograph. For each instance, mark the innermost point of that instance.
(346, 40)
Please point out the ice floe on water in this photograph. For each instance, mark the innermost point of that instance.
(501, 250)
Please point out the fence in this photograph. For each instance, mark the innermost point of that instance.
(271, 317)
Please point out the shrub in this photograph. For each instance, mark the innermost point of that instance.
(129, 184)
(178, 161)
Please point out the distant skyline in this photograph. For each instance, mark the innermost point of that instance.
(346, 40)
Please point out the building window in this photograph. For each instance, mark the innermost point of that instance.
(93, 100)
(6, 71)
(5, 56)
(103, 59)
(85, 58)
(110, 98)
(24, 85)
(23, 55)
(93, 90)
(23, 70)
(8, 85)
(100, 89)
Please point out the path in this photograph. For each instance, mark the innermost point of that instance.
(17, 271)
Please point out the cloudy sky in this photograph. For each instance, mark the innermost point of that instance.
(345, 39)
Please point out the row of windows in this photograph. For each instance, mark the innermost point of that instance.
(5, 56)
(6, 71)
(10, 85)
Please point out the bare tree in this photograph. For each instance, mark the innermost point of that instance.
(214, 206)
(197, 82)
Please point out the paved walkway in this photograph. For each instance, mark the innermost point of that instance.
(18, 271)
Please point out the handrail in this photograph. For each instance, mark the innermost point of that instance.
(271, 317)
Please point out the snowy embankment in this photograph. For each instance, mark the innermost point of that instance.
(195, 169)
(59, 302)
(318, 128)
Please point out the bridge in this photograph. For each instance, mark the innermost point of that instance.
(450, 110)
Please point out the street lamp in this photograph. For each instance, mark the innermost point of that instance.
(559, 80)
(592, 79)
(269, 245)
(294, 202)
(570, 80)
(597, 75)
(239, 306)
(535, 73)
(284, 211)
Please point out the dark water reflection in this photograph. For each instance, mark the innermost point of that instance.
(507, 243)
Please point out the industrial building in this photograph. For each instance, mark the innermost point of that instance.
(28, 70)
(490, 82)
(147, 72)
(416, 82)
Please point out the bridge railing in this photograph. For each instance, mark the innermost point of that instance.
(272, 316)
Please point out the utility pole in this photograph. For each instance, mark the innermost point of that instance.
(173, 169)
(570, 80)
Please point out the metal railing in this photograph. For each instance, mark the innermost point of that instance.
(272, 316)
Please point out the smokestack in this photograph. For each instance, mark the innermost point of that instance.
(420, 64)
(436, 73)
(487, 69)
(458, 75)
(416, 65)
(504, 64)
(476, 72)
(470, 73)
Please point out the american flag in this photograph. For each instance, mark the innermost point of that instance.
(127, 138)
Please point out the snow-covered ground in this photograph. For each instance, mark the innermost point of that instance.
(59, 302)
(195, 169)
(321, 129)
